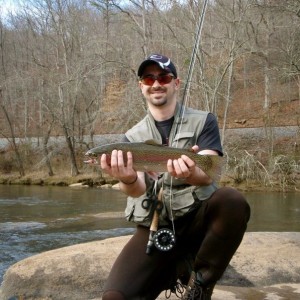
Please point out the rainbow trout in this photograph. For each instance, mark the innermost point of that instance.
(150, 156)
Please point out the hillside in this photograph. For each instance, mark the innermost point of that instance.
(244, 113)
(248, 101)
(246, 109)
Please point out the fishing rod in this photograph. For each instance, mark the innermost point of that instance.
(191, 69)
(164, 239)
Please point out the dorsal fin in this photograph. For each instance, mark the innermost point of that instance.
(152, 142)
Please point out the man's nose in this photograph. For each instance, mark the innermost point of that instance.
(156, 83)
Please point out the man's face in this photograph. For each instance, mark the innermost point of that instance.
(159, 94)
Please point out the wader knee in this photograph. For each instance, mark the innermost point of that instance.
(215, 254)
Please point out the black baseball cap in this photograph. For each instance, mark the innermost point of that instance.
(162, 61)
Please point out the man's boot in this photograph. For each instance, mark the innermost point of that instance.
(195, 289)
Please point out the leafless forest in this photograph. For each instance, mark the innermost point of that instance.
(68, 68)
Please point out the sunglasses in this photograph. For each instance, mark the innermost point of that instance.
(162, 79)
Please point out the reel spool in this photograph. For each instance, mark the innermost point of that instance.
(164, 239)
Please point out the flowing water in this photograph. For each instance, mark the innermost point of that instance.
(34, 219)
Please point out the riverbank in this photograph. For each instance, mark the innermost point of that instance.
(96, 180)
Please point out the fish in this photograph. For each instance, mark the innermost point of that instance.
(149, 156)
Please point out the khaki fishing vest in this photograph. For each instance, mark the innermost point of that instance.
(178, 197)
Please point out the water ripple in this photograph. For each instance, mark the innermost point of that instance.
(21, 226)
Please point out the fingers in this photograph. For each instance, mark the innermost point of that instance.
(196, 148)
(105, 163)
(181, 168)
(184, 166)
(116, 162)
(129, 160)
(118, 165)
(188, 162)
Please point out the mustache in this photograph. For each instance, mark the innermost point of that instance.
(157, 89)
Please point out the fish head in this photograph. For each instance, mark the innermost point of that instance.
(99, 150)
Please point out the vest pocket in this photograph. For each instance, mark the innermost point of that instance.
(181, 202)
(184, 139)
(134, 211)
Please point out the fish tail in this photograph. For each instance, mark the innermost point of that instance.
(215, 170)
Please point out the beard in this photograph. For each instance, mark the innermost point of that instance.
(158, 99)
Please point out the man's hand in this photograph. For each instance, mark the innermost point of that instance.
(182, 167)
(185, 168)
(131, 182)
(117, 167)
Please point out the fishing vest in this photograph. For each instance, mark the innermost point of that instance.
(178, 197)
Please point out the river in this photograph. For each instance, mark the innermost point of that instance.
(34, 219)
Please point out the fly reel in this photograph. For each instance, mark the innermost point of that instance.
(164, 239)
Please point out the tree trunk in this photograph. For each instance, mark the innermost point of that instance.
(12, 140)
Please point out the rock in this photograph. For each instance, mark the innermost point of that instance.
(78, 185)
(74, 272)
(116, 186)
(265, 264)
(105, 186)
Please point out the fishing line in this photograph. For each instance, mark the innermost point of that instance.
(170, 204)
(180, 117)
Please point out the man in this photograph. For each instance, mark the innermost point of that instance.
(208, 222)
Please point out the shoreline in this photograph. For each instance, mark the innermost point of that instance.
(88, 180)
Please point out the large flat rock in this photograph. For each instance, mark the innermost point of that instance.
(266, 266)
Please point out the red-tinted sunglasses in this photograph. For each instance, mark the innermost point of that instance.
(162, 79)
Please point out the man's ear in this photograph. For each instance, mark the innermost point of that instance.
(177, 83)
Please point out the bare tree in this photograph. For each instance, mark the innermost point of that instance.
(235, 26)
(65, 65)
(12, 137)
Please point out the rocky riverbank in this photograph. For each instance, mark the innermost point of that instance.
(266, 266)
(89, 179)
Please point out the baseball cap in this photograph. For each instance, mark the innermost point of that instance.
(163, 62)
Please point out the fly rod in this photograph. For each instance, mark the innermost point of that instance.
(191, 68)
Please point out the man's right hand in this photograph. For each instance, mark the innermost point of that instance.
(132, 183)
(117, 168)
